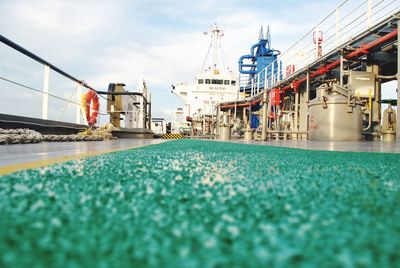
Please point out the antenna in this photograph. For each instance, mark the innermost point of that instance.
(216, 35)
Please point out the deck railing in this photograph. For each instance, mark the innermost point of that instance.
(343, 23)
(60, 100)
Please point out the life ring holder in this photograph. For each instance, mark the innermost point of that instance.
(91, 99)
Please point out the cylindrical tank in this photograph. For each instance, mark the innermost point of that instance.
(225, 132)
(331, 120)
(389, 124)
(248, 134)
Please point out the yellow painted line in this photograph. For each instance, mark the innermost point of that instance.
(56, 160)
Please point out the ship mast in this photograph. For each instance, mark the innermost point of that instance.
(216, 35)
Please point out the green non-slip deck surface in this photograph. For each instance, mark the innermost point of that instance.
(193, 203)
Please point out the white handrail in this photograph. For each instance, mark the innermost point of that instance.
(347, 20)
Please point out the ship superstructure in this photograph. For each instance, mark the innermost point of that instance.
(215, 83)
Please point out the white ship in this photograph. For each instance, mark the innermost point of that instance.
(214, 84)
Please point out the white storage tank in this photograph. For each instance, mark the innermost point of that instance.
(332, 118)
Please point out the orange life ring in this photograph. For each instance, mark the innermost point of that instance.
(92, 98)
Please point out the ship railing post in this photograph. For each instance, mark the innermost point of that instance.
(369, 14)
(398, 82)
(265, 79)
(251, 87)
(279, 70)
(45, 104)
(273, 73)
(78, 100)
(337, 27)
(341, 68)
(271, 76)
(150, 111)
(307, 97)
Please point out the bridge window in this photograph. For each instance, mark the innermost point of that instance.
(208, 81)
(217, 81)
(201, 81)
(226, 82)
(233, 82)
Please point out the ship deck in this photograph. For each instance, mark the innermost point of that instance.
(15, 157)
(343, 146)
(197, 203)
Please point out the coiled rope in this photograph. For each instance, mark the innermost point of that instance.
(25, 135)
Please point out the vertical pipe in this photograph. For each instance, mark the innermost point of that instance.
(251, 89)
(217, 136)
(296, 111)
(45, 104)
(150, 111)
(307, 97)
(341, 68)
(144, 115)
(376, 104)
(204, 124)
(250, 114)
(78, 107)
(308, 86)
(264, 117)
(258, 83)
(244, 117)
(398, 82)
(235, 116)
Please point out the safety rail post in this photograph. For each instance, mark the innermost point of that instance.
(258, 83)
(251, 87)
(273, 73)
(279, 69)
(398, 81)
(341, 68)
(45, 104)
(369, 14)
(78, 100)
(265, 78)
(337, 27)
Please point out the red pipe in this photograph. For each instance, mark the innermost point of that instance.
(360, 51)
(327, 68)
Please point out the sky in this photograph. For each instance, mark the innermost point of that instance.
(125, 41)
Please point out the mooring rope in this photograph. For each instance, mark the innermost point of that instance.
(24, 135)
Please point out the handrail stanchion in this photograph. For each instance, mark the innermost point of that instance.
(273, 73)
(337, 27)
(398, 80)
(78, 100)
(279, 70)
(45, 104)
(369, 14)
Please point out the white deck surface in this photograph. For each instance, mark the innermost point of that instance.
(346, 146)
(22, 153)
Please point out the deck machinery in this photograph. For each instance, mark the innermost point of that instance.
(336, 97)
